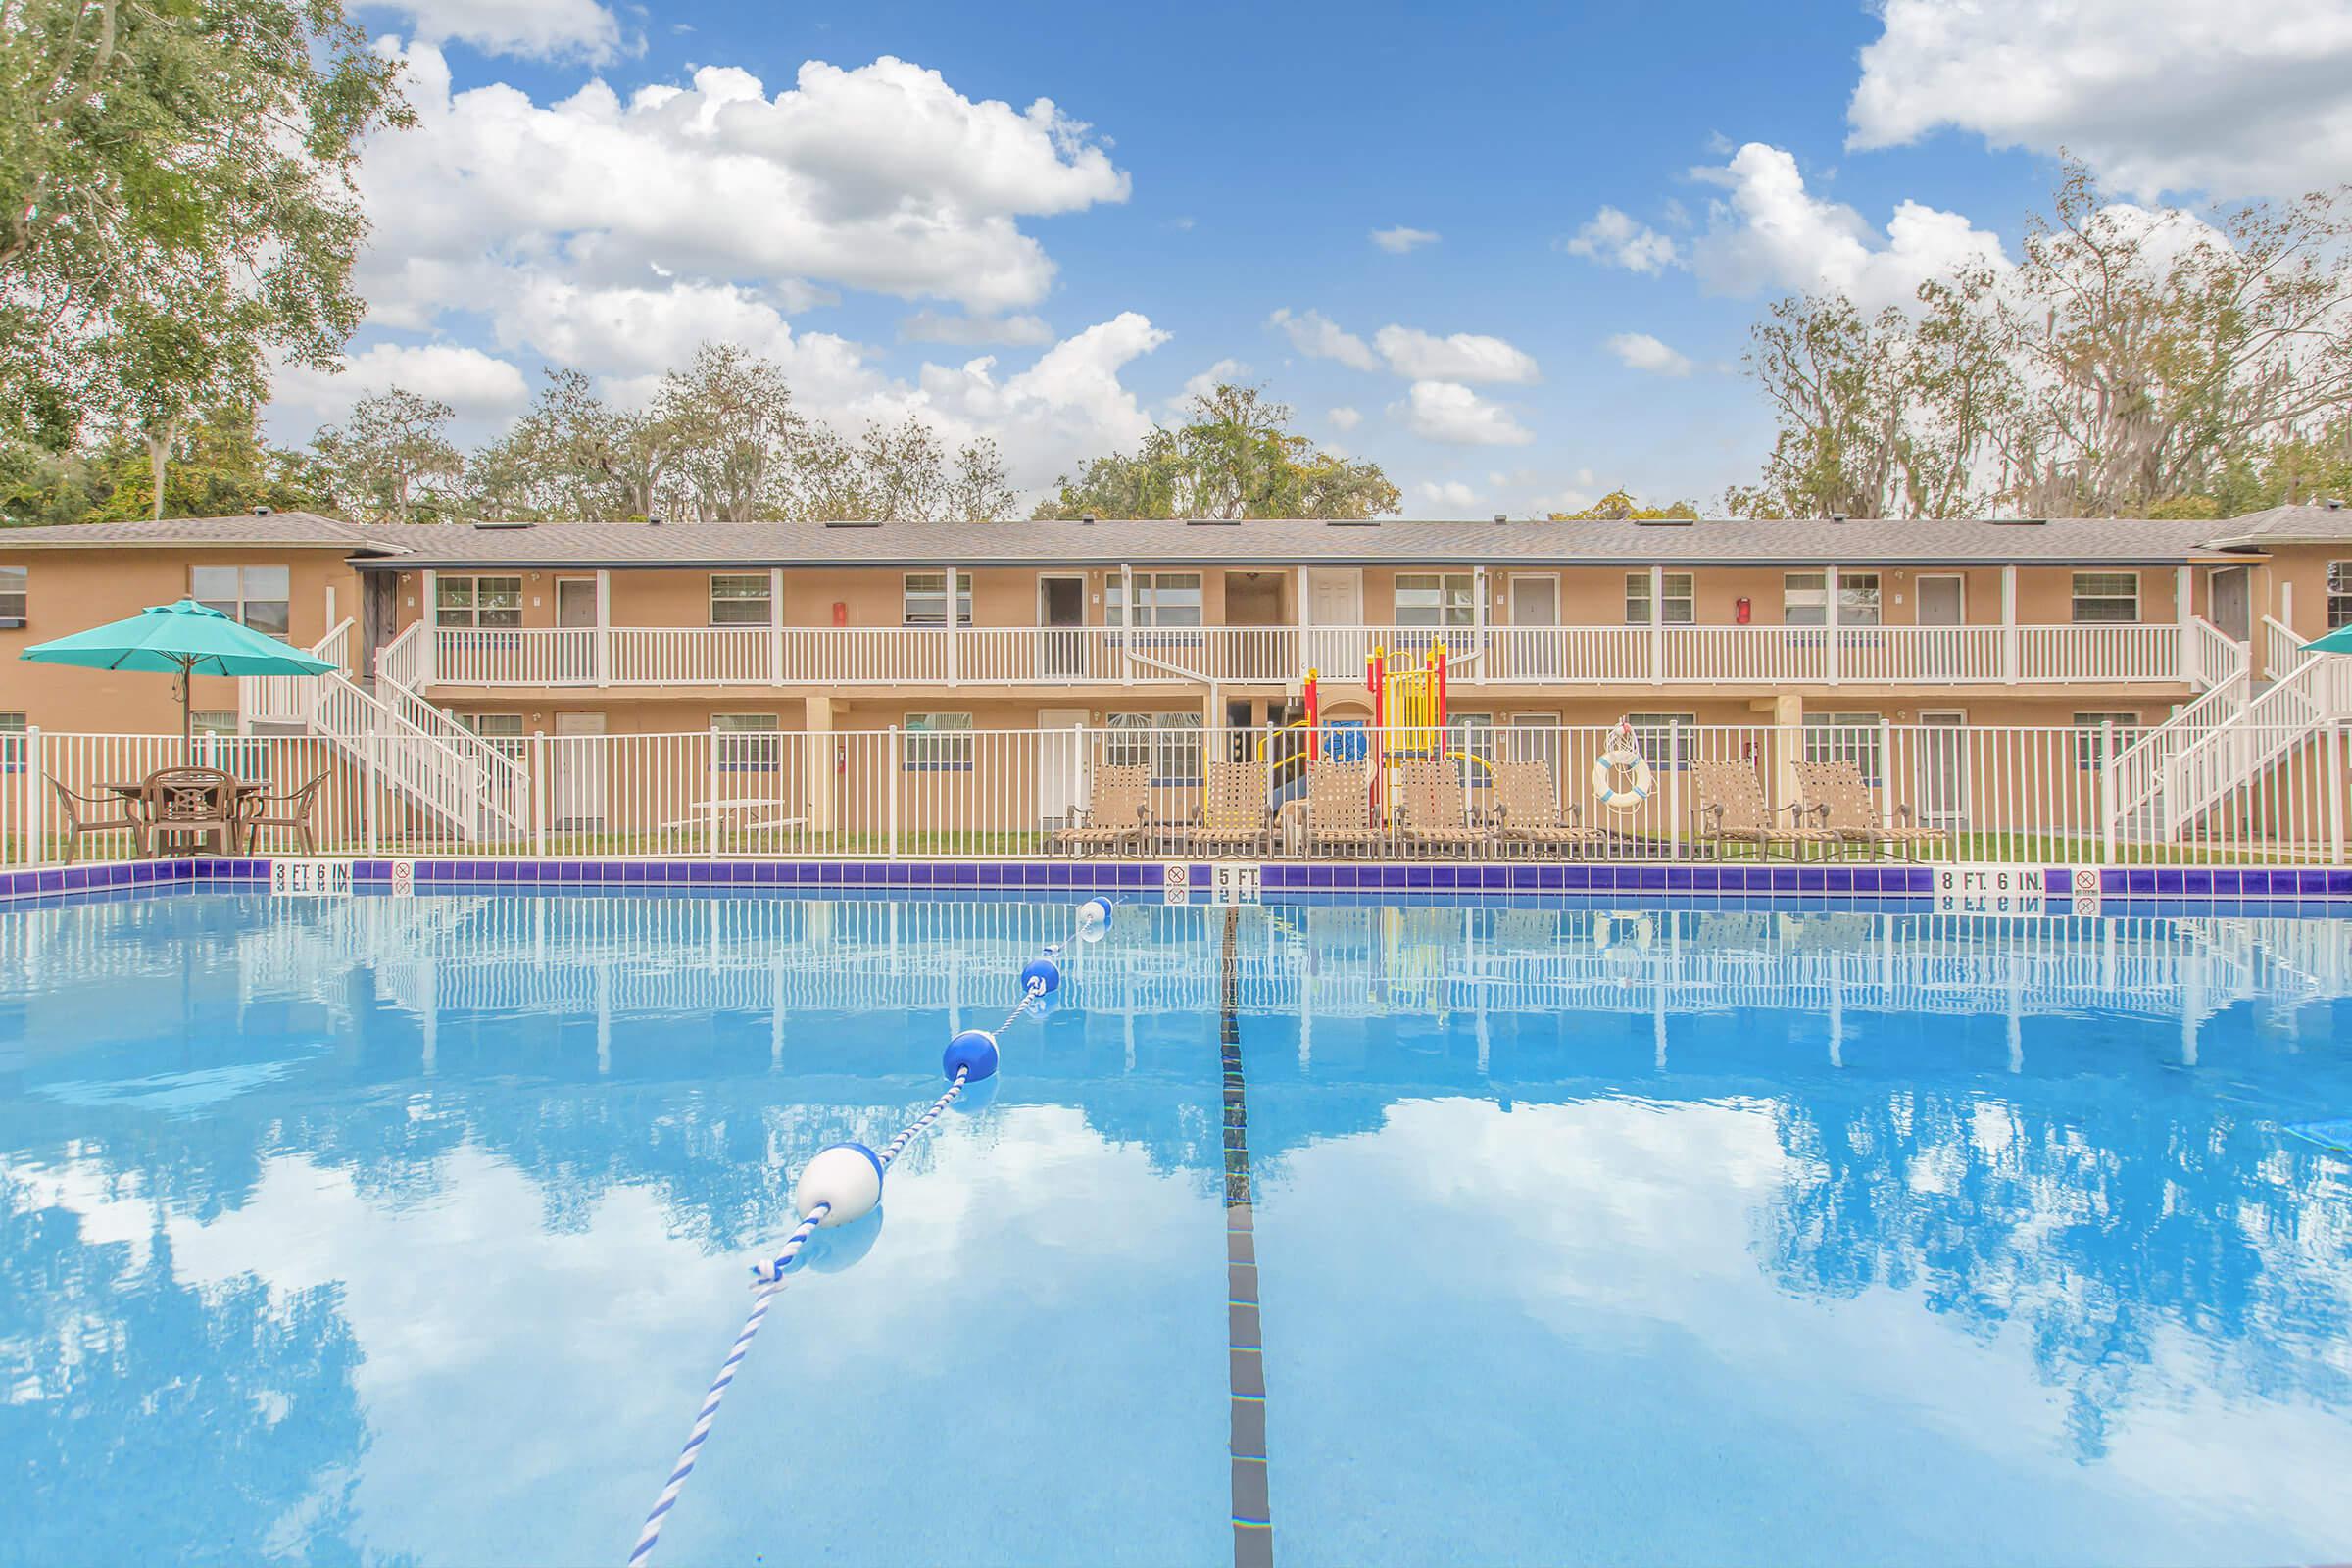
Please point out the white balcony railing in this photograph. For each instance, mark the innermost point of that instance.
(1505, 656)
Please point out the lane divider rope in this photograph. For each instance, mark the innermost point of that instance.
(843, 1183)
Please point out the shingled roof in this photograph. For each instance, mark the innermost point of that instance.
(2302, 523)
(1267, 542)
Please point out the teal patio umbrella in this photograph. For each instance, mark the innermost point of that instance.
(2339, 641)
(183, 639)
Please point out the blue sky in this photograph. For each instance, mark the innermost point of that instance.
(1609, 197)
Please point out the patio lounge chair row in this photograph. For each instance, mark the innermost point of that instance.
(1431, 812)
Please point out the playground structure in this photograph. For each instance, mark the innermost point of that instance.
(1410, 723)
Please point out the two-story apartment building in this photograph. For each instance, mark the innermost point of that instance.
(634, 628)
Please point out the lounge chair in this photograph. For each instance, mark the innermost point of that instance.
(1339, 808)
(1231, 817)
(292, 808)
(1835, 800)
(1118, 816)
(196, 803)
(1431, 812)
(1729, 807)
(1527, 808)
(109, 812)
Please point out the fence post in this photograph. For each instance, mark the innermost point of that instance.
(367, 785)
(2106, 792)
(1674, 790)
(538, 748)
(1887, 773)
(2335, 792)
(711, 792)
(35, 775)
(889, 786)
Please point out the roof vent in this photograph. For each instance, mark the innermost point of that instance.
(1088, 519)
(654, 521)
(854, 523)
(2019, 522)
(1350, 522)
(262, 511)
(1662, 522)
(1838, 517)
(1503, 517)
(1213, 523)
(495, 525)
(2332, 504)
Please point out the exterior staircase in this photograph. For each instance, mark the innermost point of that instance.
(460, 781)
(2230, 738)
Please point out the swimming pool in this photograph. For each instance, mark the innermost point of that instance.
(413, 1229)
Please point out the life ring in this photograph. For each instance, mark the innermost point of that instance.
(1605, 768)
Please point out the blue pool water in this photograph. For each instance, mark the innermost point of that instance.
(410, 1231)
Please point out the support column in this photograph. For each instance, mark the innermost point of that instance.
(604, 627)
(1789, 744)
(428, 634)
(819, 763)
(1657, 624)
(953, 620)
(2012, 666)
(1832, 622)
(1126, 624)
(2185, 619)
(775, 626)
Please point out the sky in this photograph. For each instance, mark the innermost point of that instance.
(1511, 253)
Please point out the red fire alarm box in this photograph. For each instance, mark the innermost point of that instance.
(841, 613)
(1739, 611)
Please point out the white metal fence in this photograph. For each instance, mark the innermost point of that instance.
(2061, 796)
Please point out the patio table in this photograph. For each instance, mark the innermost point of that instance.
(136, 790)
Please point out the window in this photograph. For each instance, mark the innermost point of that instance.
(1161, 599)
(1857, 599)
(1676, 589)
(1170, 743)
(1435, 599)
(13, 594)
(501, 732)
(213, 721)
(258, 596)
(939, 743)
(2339, 594)
(1665, 739)
(485, 602)
(746, 743)
(12, 743)
(2106, 597)
(1844, 737)
(1805, 598)
(2091, 737)
(926, 599)
(739, 599)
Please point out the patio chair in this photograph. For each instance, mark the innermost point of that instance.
(195, 804)
(1118, 816)
(1339, 808)
(1431, 811)
(1729, 807)
(1838, 801)
(111, 812)
(292, 808)
(1231, 816)
(1527, 809)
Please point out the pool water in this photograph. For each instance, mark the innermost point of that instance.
(411, 1231)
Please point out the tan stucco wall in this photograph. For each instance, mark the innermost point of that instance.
(72, 590)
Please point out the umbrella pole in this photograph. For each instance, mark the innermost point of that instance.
(187, 720)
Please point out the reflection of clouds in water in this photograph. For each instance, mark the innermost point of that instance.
(514, 1376)
(1644, 1235)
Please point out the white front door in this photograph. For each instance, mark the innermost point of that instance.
(1941, 601)
(1534, 653)
(575, 616)
(1060, 763)
(579, 771)
(1335, 598)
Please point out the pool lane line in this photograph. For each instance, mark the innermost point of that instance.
(1244, 1353)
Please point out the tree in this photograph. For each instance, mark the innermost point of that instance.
(203, 350)
(978, 491)
(1235, 456)
(1840, 386)
(736, 433)
(1619, 506)
(382, 463)
(153, 152)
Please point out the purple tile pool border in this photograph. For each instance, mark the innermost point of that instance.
(2315, 886)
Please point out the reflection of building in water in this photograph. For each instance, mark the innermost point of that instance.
(433, 957)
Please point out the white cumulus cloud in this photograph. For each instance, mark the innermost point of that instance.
(1345, 419)
(479, 387)
(1400, 239)
(1014, 331)
(2252, 98)
(1318, 338)
(1614, 239)
(1768, 231)
(545, 30)
(1642, 352)
(1451, 413)
(881, 177)
(1446, 493)
(1464, 356)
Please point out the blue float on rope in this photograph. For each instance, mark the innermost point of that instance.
(1041, 977)
(974, 1052)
